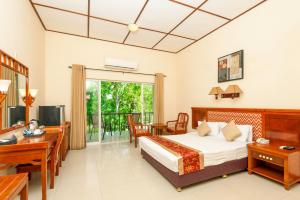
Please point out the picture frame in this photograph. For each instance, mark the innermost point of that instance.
(231, 67)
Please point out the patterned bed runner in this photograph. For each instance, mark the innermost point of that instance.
(189, 160)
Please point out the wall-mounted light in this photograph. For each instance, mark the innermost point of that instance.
(217, 91)
(232, 91)
(31, 97)
(4, 84)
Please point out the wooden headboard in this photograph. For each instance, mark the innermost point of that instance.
(275, 124)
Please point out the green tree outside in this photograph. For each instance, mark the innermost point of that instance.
(118, 97)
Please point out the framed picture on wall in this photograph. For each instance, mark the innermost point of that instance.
(231, 67)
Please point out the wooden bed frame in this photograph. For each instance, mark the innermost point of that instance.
(274, 124)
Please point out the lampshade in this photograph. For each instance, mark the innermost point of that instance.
(216, 91)
(4, 84)
(33, 92)
(233, 89)
(133, 27)
(22, 92)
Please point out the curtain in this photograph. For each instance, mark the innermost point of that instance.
(78, 110)
(12, 93)
(159, 98)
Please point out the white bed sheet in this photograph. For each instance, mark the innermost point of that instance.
(216, 150)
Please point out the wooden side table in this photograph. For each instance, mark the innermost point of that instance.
(158, 128)
(13, 185)
(271, 162)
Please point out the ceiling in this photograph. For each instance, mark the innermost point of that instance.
(165, 25)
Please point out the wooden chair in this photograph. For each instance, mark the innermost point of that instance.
(13, 185)
(137, 130)
(54, 161)
(178, 126)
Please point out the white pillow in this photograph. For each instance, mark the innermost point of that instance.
(214, 127)
(246, 132)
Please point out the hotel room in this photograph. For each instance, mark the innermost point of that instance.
(149, 99)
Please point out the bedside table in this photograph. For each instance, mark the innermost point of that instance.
(271, 162)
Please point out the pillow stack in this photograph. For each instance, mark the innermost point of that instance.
(231, 131)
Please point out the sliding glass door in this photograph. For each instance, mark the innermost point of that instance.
(109, 103)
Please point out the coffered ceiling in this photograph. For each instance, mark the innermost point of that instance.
(164, 25)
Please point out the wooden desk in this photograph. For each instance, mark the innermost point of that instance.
(158, 128)
(279, 165)
(31, 149)
(13, 185)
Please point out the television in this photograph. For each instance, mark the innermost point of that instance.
(51, 115)
(16, 114)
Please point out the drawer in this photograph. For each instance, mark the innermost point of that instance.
(268, 158)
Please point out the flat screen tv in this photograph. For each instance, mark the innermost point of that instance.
(16, 114)
(51, 115)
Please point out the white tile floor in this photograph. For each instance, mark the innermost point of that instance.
(117, 171)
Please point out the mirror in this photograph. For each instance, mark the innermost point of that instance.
(13, 108)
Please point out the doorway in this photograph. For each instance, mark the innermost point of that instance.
(109, 103)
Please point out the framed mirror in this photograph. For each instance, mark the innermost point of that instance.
(14, 109)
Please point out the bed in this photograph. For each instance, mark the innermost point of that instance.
(220, 157)
(273, 124)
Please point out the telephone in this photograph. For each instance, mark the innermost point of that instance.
(262, 141)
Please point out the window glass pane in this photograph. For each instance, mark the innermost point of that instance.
(92, 111)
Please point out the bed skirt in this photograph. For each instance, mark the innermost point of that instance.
(196, 177)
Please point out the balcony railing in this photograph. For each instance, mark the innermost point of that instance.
(117, 122)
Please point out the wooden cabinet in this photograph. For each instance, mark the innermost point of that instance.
(271, 162)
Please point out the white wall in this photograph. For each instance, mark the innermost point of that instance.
(269, 36)
(23, 35)
(62, 51)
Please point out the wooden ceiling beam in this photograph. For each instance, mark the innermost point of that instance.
(201, 10)
(223, 25)
(183, 20)
(100, 18)
(36, 12)
(88, 20)
(93, 38)
(120, 23)
(137, 18)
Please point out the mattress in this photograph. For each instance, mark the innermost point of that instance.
(215, 149)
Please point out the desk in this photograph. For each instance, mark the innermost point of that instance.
(158, 128)
(13, 185)
(31, 149)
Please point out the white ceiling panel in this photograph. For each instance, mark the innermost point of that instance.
(80, 6)
(163, 15)
(194, 3)
(125, 11)
(198, 25)
(144, 38)
(173, 43)
(63, 21)
(107, 30)
(229, 8)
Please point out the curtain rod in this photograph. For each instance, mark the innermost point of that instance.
(118, 71)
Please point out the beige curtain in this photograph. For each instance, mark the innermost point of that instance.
(12, 93)
(78, 112)
(159, 98)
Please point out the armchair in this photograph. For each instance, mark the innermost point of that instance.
(178, 126)
(137, 130)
